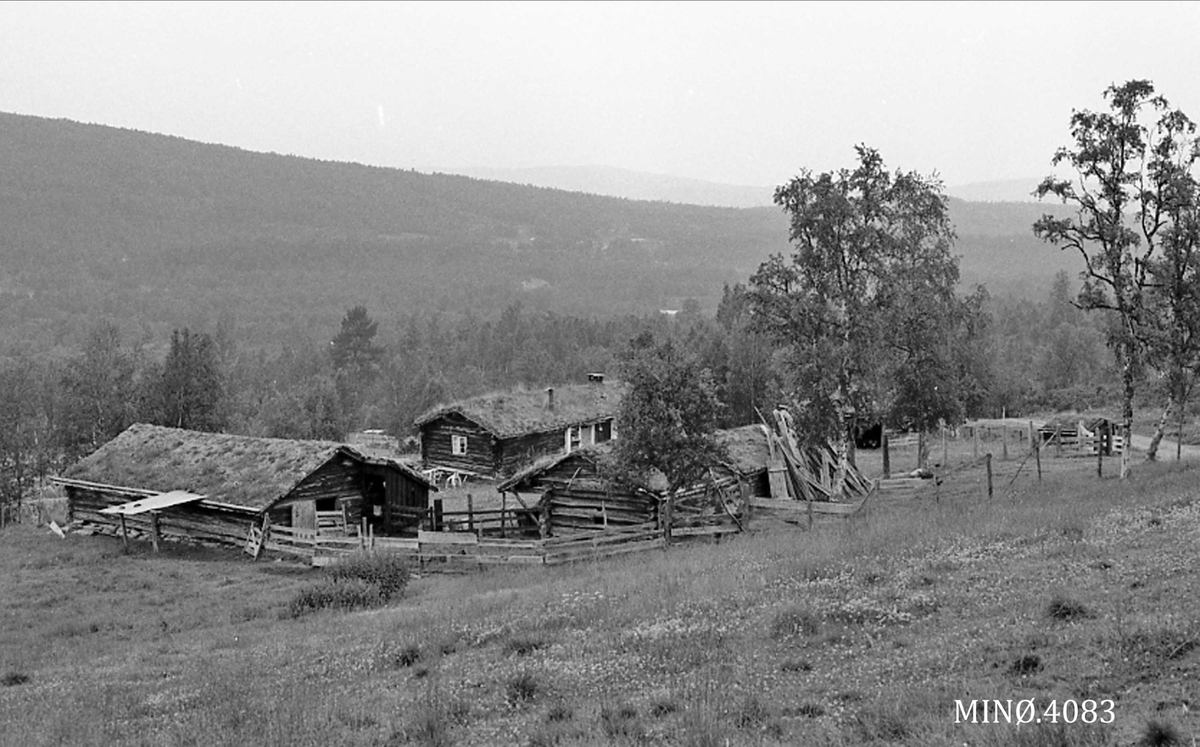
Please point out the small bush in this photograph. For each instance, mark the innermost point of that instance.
(12, 679)
(795, 620)
(796, 665)
(663, 706)
(1064, 608)
(404, 657)
(621, 722)
(359, 581)
(1159, 734)
(329, 594)
(386, 571)
(521, 688)
(1027, 664)
(751, 713)
(560, 712)
(523, 646)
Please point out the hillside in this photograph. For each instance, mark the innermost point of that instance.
(157, 231)
(876, 631)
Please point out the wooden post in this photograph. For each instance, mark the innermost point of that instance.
(1004, 452)
(989, 473)
(544, 522)
(975, 439)
(945, 448)
(437, 514)
(1037, 455)
(154, 530)
(810, 515)
(503, 508)
(921, 447)
(1099, 458)
(471, 513)
(362, 533)
(124, 534)
(1058, 440)
(887, 458)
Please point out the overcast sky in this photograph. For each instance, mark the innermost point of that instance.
(741, 93)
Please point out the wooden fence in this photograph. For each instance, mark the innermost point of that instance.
(453, 551)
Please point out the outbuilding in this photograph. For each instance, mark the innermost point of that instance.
(236, 482)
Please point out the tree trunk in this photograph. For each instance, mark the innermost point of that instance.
(1127, 409)
(1152, 451)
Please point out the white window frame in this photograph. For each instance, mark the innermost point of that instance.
(458, 445)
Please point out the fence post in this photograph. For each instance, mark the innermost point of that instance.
(1004, 453)
(1058, 440)
(945, 448)
(1099, 458)
(975, 438)
(989, 474)
(887, 457)
(470, 513)
(1037, 453)
(437, 514)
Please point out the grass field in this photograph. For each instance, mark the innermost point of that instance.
(863, 631)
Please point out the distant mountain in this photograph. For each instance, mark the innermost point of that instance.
(632, 185)
(1008, 190)
(159, 232)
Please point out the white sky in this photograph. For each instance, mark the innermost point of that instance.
(742, 93)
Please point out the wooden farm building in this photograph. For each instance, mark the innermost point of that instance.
(235, 482)
(498, 434)
(576, 493)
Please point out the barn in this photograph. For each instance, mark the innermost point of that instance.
(499, 433)
(223, 484)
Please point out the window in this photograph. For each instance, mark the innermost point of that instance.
(572, 438)
(458, 445)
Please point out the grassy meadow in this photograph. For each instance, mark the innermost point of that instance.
(862, 631)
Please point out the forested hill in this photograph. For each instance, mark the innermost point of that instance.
(159, 232)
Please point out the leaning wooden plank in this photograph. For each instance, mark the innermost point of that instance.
(704, 531)
(510, 559)
(598, 553)
(818, 507)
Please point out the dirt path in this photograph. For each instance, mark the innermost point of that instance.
(1166, 448)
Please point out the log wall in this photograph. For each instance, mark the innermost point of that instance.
(191, 521)
(436, 450)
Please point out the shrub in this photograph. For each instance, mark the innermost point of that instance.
(356, 582)
(751, 713)
(1159, 734)
(521, 688)
(386, 571)
(560, 712)
(621, 722)
(523, 646)
(1064, 608)
(11, 679)
(329, 594)
(1027, 664)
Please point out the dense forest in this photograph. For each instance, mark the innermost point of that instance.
(161, 233)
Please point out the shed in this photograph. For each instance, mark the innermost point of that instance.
(577, 495)
(499, 433)
(244, 481)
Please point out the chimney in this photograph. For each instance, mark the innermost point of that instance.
(595, 378)
(549, 398)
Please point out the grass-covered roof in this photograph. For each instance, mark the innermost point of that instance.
(522, 411)
(239, 470)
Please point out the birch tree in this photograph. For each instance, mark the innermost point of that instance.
(858, 235)
(1130, 185)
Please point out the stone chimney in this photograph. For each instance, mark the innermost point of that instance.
(595, 378)
(549, 398)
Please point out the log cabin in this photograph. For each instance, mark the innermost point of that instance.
(239, 481)
(497, 434)
(576, 493)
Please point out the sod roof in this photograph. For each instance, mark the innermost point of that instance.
(238, 470)
(520, 412)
